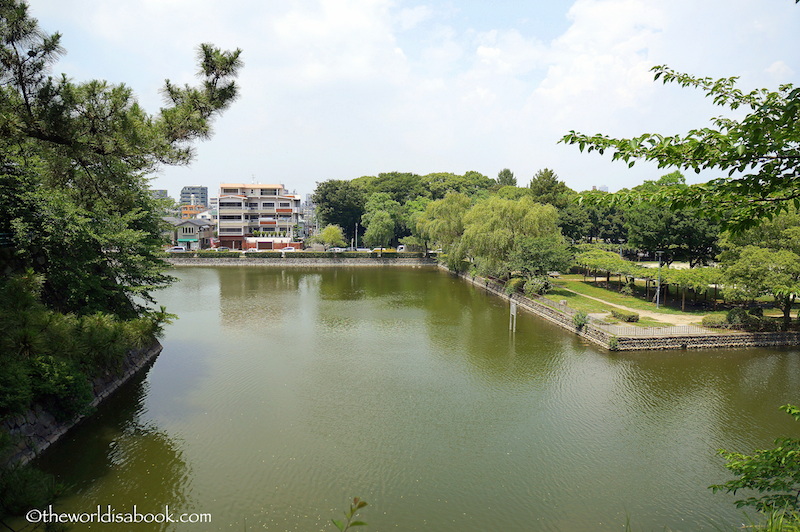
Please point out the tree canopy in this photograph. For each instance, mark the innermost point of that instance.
(74, 167)
(760, 152)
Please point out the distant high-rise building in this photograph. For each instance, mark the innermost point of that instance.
(194, 195)
(159, 193)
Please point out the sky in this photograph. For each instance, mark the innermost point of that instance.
(338, 89)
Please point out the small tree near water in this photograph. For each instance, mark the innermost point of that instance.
(773, 473)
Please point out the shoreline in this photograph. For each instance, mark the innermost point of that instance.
(602, 335)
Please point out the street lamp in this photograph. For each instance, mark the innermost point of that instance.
(658, 284)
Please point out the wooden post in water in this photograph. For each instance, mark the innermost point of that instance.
(512, 318)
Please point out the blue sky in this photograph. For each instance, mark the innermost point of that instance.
(337, 89)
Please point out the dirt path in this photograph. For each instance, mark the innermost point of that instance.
(672, 319)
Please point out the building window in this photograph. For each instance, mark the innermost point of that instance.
(285, 204)
(268, 205)
(230, 190)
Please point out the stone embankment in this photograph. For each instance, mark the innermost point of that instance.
(608, 340)
(298, 261)
(37, 429)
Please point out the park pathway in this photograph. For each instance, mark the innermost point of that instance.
(669, 319)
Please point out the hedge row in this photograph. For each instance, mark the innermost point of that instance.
(624, 315)
(299, 254)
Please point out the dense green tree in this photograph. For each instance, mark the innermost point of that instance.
(760, 152)
(402, 187)
(780, 232)
(341, 203)
(682, 235)
(606, 221)
(410, 215)
(492, 228)
(443, 220)
(757, 271)
(471, 183)
(575, 222)
(513, 192)
(505, 178)
(331, 235)
(545, 187)
(537, 256)
(380, 230)
(73, 164)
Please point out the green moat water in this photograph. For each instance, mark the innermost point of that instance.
(280, 394)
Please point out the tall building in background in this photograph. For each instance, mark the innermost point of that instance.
(159, 193)
(194, 195)
(258, 215)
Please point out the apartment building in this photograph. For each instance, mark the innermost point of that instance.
(261, 216)
(194, 195)
(191, 211)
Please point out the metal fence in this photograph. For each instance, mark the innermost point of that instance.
(653, 332)
(614, 329)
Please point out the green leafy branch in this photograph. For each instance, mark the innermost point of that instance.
(355, 506)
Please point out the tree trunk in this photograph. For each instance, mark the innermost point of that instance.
(787, 311)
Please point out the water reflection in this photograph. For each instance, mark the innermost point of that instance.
(117, 458)
(281, 393)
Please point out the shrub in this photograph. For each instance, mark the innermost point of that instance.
(580, 319)
(624, 315)
(514, 285)
(538, 285)
(627, 289)
(736, 316)
(715, 321)
(23, 488)
(15, 387)
(60, 386)
(613, 343)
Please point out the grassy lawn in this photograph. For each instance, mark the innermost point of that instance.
(590, 306)
(576, 283)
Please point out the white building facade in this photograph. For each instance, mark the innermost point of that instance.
(262, 216)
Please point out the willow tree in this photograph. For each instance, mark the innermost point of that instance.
(495, 227)
(74, 164)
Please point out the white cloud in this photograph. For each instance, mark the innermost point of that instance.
(779, 70)
(339, 88)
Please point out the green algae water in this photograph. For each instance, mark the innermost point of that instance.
(282, 393)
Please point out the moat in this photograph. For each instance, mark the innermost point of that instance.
(282, 393)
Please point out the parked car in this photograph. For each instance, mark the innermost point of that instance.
(253, 250)
(401, 248)
(222, 249)
(176, 249)
(385, 250)
(363, 249)
(288, 248)
(336, 250)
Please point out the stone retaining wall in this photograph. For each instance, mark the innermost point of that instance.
(640, 343)
(291, 261)
(37, 429)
